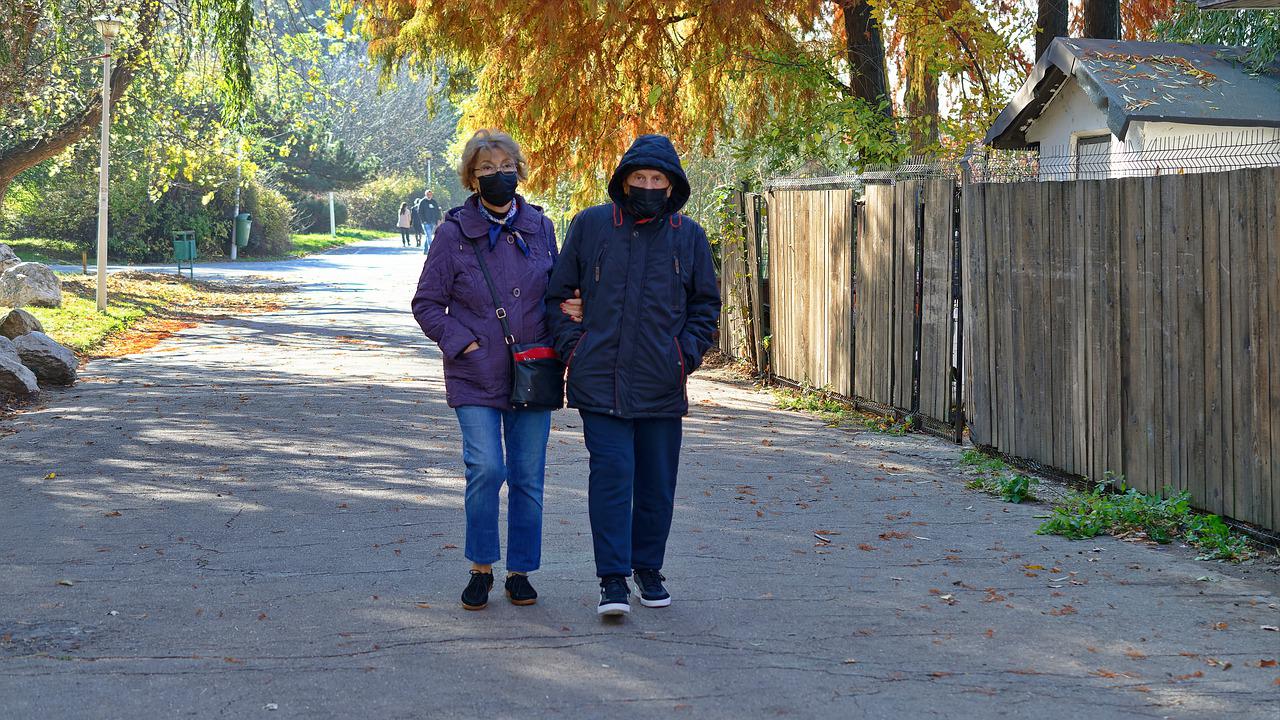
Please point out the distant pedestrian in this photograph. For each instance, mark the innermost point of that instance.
(405, 224)
(650, 302)
(455, 308)
(416, 221)
(430, 212)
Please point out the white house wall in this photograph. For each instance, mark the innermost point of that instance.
(1149, 148)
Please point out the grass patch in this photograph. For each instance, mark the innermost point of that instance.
(45, 250)
(1123, 513)
(993, 476)
(835, 411)
(309, 243)
(153, 304)
(1132, 514)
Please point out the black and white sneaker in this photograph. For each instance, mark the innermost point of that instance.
(614, 596)
(652, 593)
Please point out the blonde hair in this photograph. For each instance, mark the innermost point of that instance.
(485, 141)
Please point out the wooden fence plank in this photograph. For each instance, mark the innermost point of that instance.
(975, 284)
(936, 314)
(1134, 391)
(1269, 344)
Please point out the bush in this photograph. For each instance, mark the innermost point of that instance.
(59, 200)
(311, 214)
(376, 204)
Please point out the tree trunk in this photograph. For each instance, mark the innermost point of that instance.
(1102, 19)
(1051, 22)
(868, 79)
(922, 100)
(18, 158)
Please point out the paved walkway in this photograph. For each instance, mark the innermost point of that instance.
(259, 517)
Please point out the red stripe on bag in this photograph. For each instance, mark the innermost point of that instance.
(538, 353)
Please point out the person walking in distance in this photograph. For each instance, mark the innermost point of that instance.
(650, 303)
(416, 221)
(405, 224)
(429, 212)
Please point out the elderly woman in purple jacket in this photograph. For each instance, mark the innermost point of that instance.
(455, 308)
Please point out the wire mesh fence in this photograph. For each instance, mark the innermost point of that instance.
(1088, 158)
(1105, 157)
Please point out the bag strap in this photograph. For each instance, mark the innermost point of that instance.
(500, 311)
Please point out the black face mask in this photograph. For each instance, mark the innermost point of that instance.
(499, 188)
(646, 202)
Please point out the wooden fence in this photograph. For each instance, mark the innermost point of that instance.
(811, 287)
(1131, 326)
(859, 293)
(742, 289)
(905, 326)
(1127, 327)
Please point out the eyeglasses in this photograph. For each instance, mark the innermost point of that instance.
(486, 169)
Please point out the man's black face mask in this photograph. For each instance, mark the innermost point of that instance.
(646, 202)
(499, 188)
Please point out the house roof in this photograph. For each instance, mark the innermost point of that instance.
(1148, 81)
(1236, 4)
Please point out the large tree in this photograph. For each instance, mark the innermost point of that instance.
(50, 94)
(577, 81)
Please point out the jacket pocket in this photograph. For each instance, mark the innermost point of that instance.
(568, 364)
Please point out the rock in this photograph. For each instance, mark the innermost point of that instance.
(19, 322)
(7, 257)
(15, 378)
(52, 363)
(30, 284)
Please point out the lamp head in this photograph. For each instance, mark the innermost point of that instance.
(109, 26)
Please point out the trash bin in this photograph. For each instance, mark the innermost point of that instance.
(184, 250)
(244, 222)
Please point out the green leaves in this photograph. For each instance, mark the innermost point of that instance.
(1134, 514)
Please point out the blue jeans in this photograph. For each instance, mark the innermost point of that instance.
(631, 491)
(526, 433)
(428, 232)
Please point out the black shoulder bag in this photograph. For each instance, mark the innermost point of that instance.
(537, 375)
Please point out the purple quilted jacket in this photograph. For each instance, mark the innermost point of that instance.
(454, 307)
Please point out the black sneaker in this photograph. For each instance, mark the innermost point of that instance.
(520, 591)
(476, 596)
(652, 593)
(614, 594)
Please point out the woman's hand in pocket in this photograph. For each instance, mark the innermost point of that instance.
(474, 346)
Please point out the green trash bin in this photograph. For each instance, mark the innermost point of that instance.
(184, 250)
(244, 222)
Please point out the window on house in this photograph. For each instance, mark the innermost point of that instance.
(1093, 157)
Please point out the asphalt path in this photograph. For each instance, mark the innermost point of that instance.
(262, 517)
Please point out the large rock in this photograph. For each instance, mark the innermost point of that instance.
(19, 322)
(15, 378)
(8, 258)
(30, 284)
(52, 363)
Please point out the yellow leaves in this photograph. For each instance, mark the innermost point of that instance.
(51, 476)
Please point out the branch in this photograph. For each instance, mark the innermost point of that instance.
(28, 154)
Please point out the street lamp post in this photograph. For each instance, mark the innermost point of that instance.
(429, 156)
(109, 28)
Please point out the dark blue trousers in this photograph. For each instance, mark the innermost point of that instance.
(632, 489)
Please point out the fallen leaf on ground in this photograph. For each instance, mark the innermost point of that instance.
(422, 605)
(113, 513)
(67, 583)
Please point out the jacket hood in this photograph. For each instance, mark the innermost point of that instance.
(652, 151)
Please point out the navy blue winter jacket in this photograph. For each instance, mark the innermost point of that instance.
(650, 298)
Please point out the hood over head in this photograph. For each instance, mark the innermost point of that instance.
(652, 151)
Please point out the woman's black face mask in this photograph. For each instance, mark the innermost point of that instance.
(646, 202)
(499, 188)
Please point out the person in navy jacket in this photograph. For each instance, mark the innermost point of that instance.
(650, 306)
